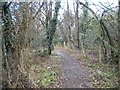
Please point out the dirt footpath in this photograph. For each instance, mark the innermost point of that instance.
(75, 74)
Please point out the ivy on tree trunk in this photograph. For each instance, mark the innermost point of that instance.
(51, 26)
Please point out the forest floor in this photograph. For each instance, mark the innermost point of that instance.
(69, 68)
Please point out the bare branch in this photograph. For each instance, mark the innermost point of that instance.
(90, 10)
(38, 10)
(107, 7)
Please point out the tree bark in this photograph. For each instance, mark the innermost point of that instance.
(77, 25)
(119, 40)
(51, 25)
(6, 45)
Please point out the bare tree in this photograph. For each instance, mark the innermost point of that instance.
(105, 32)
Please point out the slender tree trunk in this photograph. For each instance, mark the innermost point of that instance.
(69, 27)
(104, 49)
(85, 26)
(49, 29)
(105, 30)
(77, 25)
(119, 41)
(100, 53)
(6, 45)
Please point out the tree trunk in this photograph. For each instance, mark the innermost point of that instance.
(111, 43)
(104, 49)
(77, 25)
(6, 45)
(69, 27)
(51, 24)
(12, 76)
(119, 41)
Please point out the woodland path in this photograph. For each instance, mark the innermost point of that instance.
(75, 74)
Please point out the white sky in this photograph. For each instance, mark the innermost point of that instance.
(105, 2)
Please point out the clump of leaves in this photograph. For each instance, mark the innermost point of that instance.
(91, 65)
(107, 74)
(48, 78)
(37, 68)
(37, 81)
(56, 57)
(45, 79)
(53, 52)
(41, 53)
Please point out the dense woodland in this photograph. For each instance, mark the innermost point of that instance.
(31, 34)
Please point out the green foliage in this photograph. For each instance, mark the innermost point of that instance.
(41, 53)
(37, 81)
(38, 69)
(48, 78)
(89, 37)
(56, 57)
(91, 65)
(53, 52)
(43, 77)
(40, 41)
(108, 74)
(105, 75)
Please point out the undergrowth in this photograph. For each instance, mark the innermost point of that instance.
(45, 74)
(43, 77)
(105, 76)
